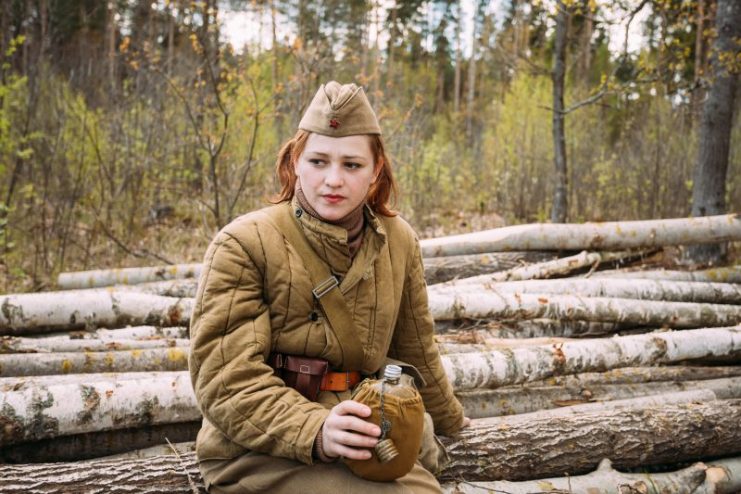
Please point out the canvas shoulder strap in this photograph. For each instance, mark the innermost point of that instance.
(326, 287)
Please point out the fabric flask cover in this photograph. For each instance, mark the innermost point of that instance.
(403, 410)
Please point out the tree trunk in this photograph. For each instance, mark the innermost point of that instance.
(47, 411)
(709, 186)
(16, 344)
(590, 236)
(523, 447)
(461, 304)
(52, 311)
(494, 369)
(717, 477)
(128, 333)
(533, 328)
(39, 364)
(642, 289)
(547, 269)
(490, 449)
(559, 208)
(528, 399)
(126, 276)
(95, 445)
(637, 375)
(441, 269)
(730, 274)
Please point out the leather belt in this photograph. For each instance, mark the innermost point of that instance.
(340, 381)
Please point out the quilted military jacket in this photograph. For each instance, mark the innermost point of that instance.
(254, 297)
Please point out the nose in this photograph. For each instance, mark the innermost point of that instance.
(334, 178)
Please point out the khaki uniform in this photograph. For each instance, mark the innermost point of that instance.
(254, 297)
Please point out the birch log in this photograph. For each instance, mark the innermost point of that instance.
(500, 368)
(468, 305)
(637, 375)
(53, 311)
(489, 449)
(513, 400)
(642, 289)
(180, 288)
(731, 274)
(39, 364)
(593, 236)
(531, 328)
(19, 344)
(126, 276)
(440, 269)
(97, 444)
(128, 333)
(556, 267)
(716, 477)
(523, 447)
(46, 411)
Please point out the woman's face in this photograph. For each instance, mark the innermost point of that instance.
(335, 173)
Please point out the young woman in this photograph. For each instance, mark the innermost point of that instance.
(260, 309)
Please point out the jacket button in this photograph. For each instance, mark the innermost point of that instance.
(314, 316)
(299, 212)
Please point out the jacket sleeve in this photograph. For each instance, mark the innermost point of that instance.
(413, 343)
(230, 341)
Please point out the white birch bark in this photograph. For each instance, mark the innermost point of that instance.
(39, 364)
(22, 383)
(53, 311)
(531, 328)
(126, 276)
(500, 368)
(19, 344)
(730, 274)
(642, 289)
(467, 305)
(607, 235)
(513, 400)
(127, 333)
(45, 411)
(180, 288)
(453, 344)
(716, 477)
(638, 375)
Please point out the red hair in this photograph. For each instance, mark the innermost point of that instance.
(380, 193)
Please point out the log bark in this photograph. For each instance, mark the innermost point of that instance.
(523, 447)
(53, 311)
(128, 333)
(488, 305)
(642, 289)
(19, 344)
(148, 359)
(441, 269)
(126, 276)
(730, 274)
(180, 288)
(547, 269)
(716, 477)
(489, 449)
(97, 444)
(500, 368)
(52, 410)
(637, 375)
(593, 236)
(531, 328)
(513, 400)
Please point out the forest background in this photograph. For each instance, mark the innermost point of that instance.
(131, 130)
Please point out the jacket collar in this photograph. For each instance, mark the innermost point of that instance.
(330, 243)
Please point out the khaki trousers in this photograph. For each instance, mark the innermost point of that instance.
(256, 472)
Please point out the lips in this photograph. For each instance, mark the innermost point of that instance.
(331, 198)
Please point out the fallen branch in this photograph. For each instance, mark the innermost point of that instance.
(731, 274)
(440, 269)
(126, 276)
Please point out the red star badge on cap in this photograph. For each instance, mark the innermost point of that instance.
(334, 123)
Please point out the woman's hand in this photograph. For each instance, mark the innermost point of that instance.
(345, 433)
(466, 422)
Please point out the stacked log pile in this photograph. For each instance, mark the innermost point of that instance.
(561, 359)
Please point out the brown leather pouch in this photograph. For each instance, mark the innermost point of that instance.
(304, 374)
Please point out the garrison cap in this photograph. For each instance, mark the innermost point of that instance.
(340, 110)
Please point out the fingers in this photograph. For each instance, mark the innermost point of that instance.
(346, 434)
(466, 422)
